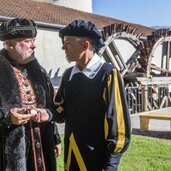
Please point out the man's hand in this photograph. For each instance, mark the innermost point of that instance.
(39, 115)
(18, 116)
(58, 150)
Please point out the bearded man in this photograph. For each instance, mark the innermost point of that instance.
(26, 102)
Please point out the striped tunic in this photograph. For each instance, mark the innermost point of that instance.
(97, 121)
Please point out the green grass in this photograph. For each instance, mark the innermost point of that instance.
(143, 154)
(147, 154)
(60, 159)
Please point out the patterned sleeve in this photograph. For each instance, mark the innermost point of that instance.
(117, 128)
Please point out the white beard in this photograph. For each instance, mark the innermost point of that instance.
(24, 53)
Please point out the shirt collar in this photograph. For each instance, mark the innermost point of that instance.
(91, 68)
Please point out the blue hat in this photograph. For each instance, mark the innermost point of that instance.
(83, 28)
(17, 28)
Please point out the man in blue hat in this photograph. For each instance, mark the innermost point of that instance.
(91, 101)
(26, 99)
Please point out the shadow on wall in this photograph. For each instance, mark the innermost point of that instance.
(55, 79)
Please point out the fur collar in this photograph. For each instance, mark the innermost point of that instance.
(9, 88)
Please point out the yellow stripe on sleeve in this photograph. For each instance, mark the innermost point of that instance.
(120, 115)
(104, 95)
(106, 127)
(109, 86)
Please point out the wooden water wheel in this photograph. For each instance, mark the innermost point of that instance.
(144, 63)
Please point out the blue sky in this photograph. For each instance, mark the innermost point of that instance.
(144, 12)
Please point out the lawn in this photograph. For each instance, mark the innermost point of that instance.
(144, 154)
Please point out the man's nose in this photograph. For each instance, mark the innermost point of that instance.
(64, 46)
(33, 44)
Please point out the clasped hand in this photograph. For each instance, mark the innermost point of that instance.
(19, 116)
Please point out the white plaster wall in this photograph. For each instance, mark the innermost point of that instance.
(49, 51)
(82, 5)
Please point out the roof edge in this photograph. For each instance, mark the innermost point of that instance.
(38, 23)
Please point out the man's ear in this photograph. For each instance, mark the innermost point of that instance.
(86, 44)
(9, 44)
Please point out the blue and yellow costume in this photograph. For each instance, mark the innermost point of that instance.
(93, 105)
(97, 123)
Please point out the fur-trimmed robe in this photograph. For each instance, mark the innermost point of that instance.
(15, 140)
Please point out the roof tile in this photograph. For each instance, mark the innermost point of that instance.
(55, 14)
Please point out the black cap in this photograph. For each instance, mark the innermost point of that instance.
(83, 28)
(17, 28)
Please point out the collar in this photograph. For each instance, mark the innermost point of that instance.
(91, 69)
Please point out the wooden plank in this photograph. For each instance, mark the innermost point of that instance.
(145, 119)
(160, 116)
(144, 124)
